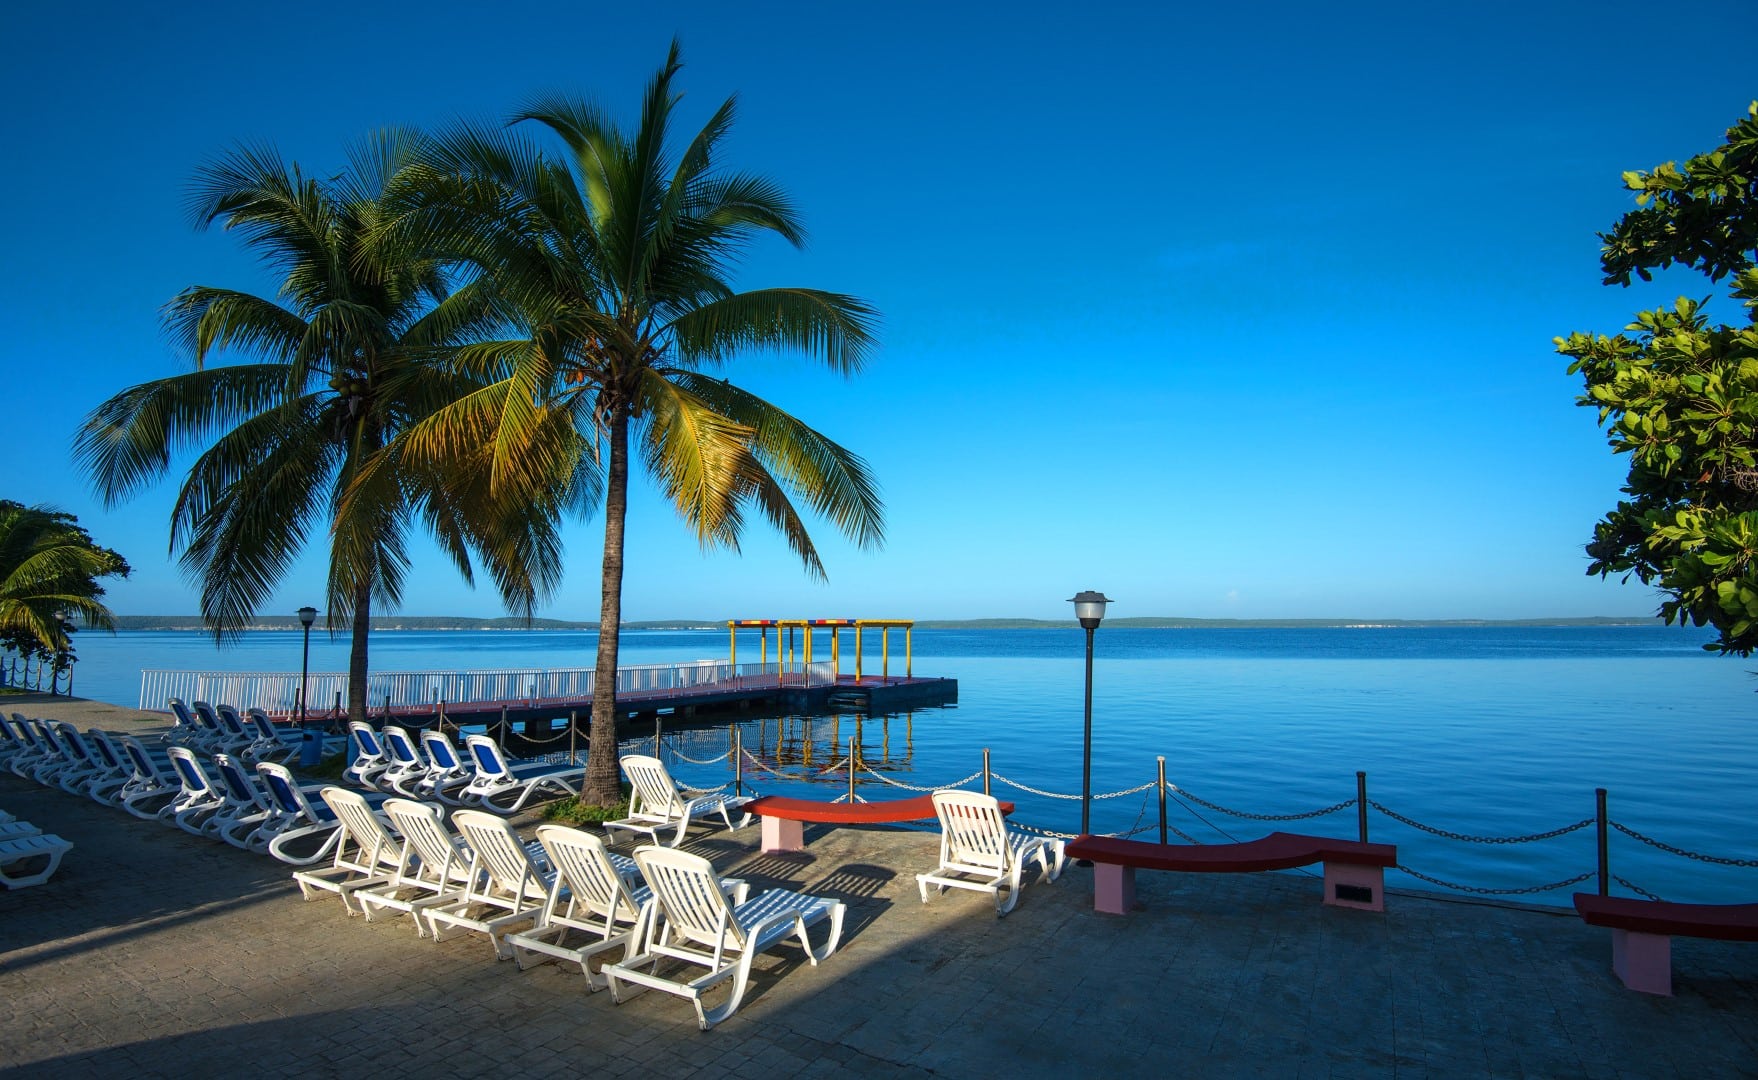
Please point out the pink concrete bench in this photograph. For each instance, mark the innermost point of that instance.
(784, 819)
(1643, 932)
(1355, 872)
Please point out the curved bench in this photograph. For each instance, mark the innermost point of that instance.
(1643, 931)
(784, 819)
(1354, 871)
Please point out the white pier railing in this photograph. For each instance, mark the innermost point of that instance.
(278, 692)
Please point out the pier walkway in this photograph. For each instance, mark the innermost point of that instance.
(153, 953)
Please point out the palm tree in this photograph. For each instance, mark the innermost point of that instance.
(350, 353)
(49, 571)
(611, 262)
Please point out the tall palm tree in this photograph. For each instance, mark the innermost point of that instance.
(611, 261)
(350, 353)
(49, 571)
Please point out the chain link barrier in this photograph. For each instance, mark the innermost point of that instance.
(1059, 795)
(1635, 888)
(1344, 805)
(1670, 850)
(1479, 890)
(681, 756)
(1469, 839)
(881, 777)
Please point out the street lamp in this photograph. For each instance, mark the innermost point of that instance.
(1089, 608)
(311, 749)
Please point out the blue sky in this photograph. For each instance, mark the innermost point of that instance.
(1234, 313)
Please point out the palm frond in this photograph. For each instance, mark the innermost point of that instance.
(838, 329)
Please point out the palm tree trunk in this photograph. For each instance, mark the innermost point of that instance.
(600, 787)
(357, 654)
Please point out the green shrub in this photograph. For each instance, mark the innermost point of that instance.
(571, 811)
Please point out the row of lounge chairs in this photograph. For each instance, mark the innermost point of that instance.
(565, 898)
(393, 760)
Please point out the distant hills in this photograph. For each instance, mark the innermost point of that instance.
(453, 622)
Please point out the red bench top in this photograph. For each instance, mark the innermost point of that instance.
(868, 813)
(1277, 851)
(1718, 922)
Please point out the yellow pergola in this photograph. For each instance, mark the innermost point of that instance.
(835, 626)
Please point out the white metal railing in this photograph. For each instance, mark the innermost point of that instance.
(278, 692)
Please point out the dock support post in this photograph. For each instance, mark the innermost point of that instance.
(1361, 804)
(1162, 798)
(854, 763)
(1604, 853)
(738, 758)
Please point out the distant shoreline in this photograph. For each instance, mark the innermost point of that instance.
(393, 623)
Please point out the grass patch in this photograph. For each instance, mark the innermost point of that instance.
(571, 811)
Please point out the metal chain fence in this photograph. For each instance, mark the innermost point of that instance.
(1481, 891)
(1344, 805)
(1670, 850)
(1469, 839)
(1635, 888)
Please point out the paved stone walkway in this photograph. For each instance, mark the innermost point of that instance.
(153, 953)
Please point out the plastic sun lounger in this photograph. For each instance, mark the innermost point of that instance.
(497, 779)
(16, 852)
(407, 768)
(369, 756)
(199, 799)
(447, 771)
(659, 804)
(508, 888)
(980, 853)
(151, 782)
(690, 920)
(366, 855)
(596, 895)
(433, 868)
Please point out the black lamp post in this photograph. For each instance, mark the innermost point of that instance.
(1089, 608)
(311, 750)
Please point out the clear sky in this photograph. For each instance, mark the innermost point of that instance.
(1243, 311)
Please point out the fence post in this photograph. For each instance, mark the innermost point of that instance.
(1162, 798)
(655, 734)
(1604, 855)
(573, 733)
(738, 751)
(442, 714)
(985, 770)
(854, 763)
(500, 735)
(1361, 804)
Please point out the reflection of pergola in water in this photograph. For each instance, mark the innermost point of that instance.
(811, 742)
(808, 628)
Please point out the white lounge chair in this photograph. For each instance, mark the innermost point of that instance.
(84, 767)
(17, 852)
(690, 921)
(221, 737)
(246, 807)
(407, 765)
(433, 868)
(366, 854)
(296, 811)
(979, 852)
(595, 895)
(658, 803)
(496, 779)
(447, 771)
(369, 756)
(186, 730)
(508, 889)
(152, 780)
(14, 828)
(199, 800)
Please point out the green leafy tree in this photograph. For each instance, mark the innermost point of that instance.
(50, 573)
(1679, 394)
(610, 257)
(353, 350)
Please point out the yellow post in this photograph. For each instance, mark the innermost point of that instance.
(908, 651)
(885, 652)
(835, 653)
(732, 644)
(764, 655)
(858, 651)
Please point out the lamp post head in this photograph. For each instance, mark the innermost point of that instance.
(307, 616)
(1089, 608)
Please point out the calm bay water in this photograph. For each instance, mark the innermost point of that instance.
(1484, 731)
